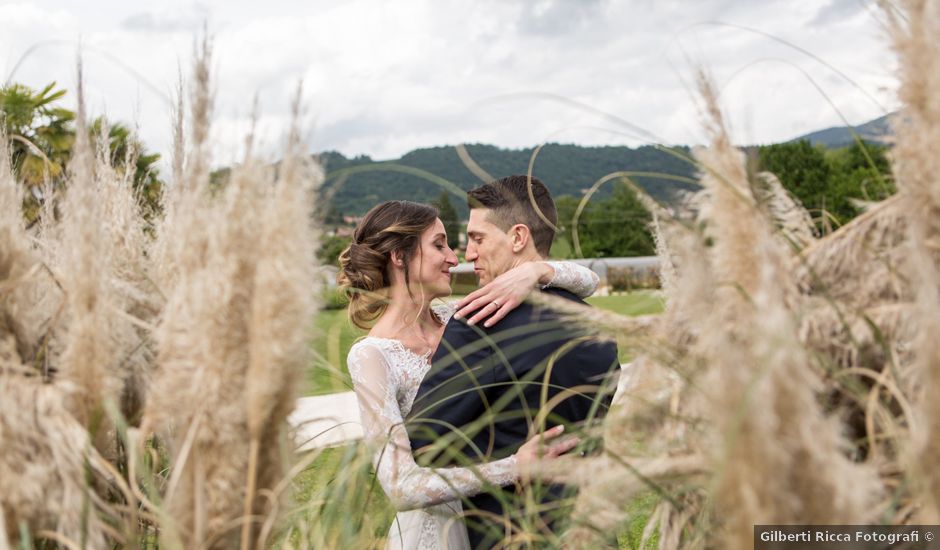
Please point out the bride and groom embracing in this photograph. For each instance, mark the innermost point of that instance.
(459, 410)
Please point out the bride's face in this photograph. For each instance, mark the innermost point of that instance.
(430, 267)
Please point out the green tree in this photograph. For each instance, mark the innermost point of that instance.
(861, 173)
(565, 208)
(614, 227)
(804, 171)
(448, 215)
(42, 136)
(829, 180)
(330, 249)
(332, 216)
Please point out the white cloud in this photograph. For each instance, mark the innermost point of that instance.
(167, 19)
(383, 78)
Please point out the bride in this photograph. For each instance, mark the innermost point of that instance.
(397, 263)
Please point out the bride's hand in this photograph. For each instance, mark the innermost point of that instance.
(504, 293)
(540, 447)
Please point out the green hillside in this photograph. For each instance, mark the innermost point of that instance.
(357, 184)
(875, 131)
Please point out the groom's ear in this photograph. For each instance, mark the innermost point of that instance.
(519, 236)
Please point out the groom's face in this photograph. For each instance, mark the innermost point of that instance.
(488, 246)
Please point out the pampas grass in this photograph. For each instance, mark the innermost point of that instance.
(44, 449)
(793, 222)
(730, 376)
(778, 460)
(197, 402)
(221, 394)
(201, 326)
(914, 30)
(20, 270)
(43, 446)
(88, 360)
(861, 264)
(799, 366)
(282, 311)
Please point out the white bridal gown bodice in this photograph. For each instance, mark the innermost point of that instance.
(386, 376)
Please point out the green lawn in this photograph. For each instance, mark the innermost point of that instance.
(335, 335)
(337, 488)
(640, 302)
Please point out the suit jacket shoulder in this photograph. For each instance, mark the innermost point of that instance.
(479, 375)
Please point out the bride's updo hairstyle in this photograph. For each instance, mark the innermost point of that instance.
(392, 226)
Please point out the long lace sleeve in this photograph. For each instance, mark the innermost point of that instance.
(408, 485)
(574, 278)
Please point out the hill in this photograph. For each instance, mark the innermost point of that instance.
(356, 184)
(565, 169)
(874, 130)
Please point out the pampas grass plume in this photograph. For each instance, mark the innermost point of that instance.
(778, 458)
(914, 26)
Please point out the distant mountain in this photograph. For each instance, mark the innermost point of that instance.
(873, 130)
(356, 184)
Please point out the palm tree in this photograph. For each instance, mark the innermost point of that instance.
(42, 135)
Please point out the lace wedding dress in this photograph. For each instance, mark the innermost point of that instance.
(386, 376)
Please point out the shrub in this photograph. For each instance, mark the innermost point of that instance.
(625, 279)
(333, 297)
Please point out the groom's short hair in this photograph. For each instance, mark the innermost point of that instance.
(519, 199)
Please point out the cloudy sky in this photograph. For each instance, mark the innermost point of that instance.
(382, 78)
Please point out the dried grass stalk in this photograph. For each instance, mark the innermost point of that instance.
(43, 486)
(914, 28)
(197, 398)
(794, 223)
(41, 446)
(42, 458)
(77, 302)
(599, 511)
(862, 263)
(179, 231)
(647, 418)
(282, 311)
(89, 364)
(877, 337)
(22, 276)
(232, 343)
(778, 459)
(604, 322)
(134, 293)
(668, 279)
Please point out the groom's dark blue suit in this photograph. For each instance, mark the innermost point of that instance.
(487, 386)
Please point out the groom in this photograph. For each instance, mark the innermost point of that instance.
(488, 389)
